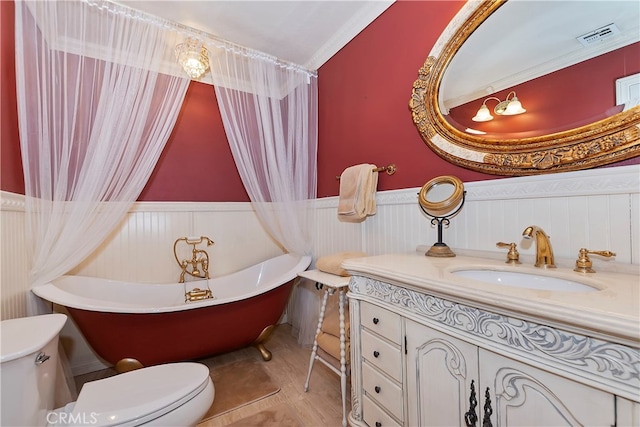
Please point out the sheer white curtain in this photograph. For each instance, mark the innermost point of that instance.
(98, 91)
(269, 111)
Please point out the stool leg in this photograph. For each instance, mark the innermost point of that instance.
(343, 361)
(314, 351)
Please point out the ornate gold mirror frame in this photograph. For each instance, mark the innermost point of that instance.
(606, 141)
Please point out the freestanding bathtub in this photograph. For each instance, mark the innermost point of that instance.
(151, 323)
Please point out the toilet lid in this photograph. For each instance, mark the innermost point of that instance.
(136, 397)
(23, 336)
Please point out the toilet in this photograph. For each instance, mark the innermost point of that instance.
(174, 394)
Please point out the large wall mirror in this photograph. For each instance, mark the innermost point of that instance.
(568, 63)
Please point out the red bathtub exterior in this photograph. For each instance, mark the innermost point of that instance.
(155, 338)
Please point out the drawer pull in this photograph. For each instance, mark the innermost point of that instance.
(376, 353)
(377, 389)
(375, 320)
(378, 424)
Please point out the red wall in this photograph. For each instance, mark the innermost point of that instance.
(196, 164)
(364, 117)
(11, 178)
(364, 93)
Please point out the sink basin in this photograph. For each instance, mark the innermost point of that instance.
(524, 280)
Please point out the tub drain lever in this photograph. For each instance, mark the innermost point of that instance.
(197, 294)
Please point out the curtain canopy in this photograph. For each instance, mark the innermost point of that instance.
(98, 92)
(269, 111)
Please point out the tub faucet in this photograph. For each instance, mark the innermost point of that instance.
(199, 261)
(544, 252)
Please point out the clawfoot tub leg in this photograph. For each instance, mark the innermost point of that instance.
(259, 342)
(128, 364)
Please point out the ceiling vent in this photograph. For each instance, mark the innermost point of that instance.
(599, 35)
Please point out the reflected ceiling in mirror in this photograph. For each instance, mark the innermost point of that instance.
(444, 98)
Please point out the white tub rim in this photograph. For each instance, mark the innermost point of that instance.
(53, 293)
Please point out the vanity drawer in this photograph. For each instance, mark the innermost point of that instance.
(381, 321)
(374, 416)
(382, 355)
(382, 390)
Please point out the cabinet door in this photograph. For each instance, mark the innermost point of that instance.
(522, 395)
(628, 412)
(440, 369)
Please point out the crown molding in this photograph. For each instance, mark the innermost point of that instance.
(368, 13)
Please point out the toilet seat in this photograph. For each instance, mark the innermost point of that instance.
(139, 396)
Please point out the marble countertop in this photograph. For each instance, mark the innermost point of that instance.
(611, 312)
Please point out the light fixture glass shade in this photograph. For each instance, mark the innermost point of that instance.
(483, 115)
(514, 107)
(193, 57)
(509, 107)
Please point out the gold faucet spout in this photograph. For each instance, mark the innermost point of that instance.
(199, 261)
(544, 252)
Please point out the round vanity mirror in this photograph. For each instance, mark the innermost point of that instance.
(441, 195)
(441, 198)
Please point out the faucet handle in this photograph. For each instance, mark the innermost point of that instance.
(513, 256)
(584, 264)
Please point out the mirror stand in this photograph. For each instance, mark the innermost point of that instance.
(440, 249)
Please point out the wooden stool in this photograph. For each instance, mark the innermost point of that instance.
(330, 283)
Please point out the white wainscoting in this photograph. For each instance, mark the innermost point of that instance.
(13, 257)
(597, 209)
(141, 249)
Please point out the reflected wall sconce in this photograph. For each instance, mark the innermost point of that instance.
(193, 57)
(509, 107)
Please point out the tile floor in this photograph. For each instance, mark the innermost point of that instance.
(320, 406)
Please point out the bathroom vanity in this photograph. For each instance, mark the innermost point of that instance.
(431, 347)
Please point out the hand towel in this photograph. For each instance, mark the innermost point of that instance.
(332, 264)
(358, 186)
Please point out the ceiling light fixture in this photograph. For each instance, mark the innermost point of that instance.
(508, 107)
(193, 57)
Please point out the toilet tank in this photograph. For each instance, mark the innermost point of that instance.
(28, 362)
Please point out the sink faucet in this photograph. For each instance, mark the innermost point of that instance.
(544, 252)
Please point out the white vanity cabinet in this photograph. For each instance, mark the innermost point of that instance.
(518, 394)
(381, 339)
(416, 357)
(449, 366)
